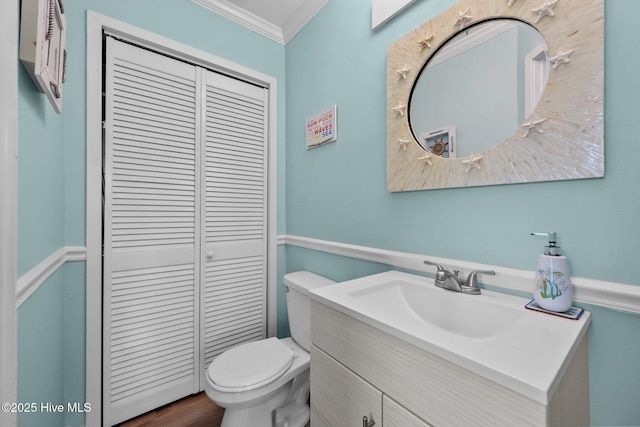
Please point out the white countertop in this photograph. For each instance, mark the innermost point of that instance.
(528, 354)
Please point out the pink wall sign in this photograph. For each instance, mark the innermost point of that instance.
(322, 128)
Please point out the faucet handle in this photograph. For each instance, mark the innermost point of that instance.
(441, 273)
(433, 263)
(472, 279)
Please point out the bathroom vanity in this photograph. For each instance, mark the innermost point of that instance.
(376, 355)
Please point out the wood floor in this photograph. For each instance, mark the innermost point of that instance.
(194, 411)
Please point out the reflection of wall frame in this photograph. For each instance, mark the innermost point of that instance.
(42, 53)
(441, 142)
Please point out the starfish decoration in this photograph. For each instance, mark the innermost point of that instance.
(426, 42)
(545, 10)
(560, 58)
(473, 163)
(400, 109)
(463, 18)
(533, 125)
(402, 143)
(426, 159)
(402, 72)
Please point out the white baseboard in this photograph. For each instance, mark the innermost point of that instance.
(28, 283)
(617, 296)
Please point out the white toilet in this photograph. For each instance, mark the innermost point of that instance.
(266, 383)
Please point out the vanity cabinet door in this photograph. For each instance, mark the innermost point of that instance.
(339, 397)
(395, 414)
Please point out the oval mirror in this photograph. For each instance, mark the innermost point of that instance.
(478, 88)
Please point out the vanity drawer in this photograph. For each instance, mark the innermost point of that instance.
(338, 396)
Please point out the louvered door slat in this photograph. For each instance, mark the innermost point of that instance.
(158, 91)
(235, 221)
(247, 150)
(156, 97)
(229, 129)
(138, 103)
(165, 118)
(241, 141)
(124, 356)
(143, 322)
(151, 224)
(159, 143)
(142, 153)
(247, 323)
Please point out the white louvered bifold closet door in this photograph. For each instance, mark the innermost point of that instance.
(185, 225)
(151, 231)
(235, 223)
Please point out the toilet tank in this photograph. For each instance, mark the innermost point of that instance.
(297, 287)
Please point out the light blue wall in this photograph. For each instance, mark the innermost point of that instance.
(41, 352)
(51, 187)
(51, 346)
(74, 342)
(338, 192)
(40, 176)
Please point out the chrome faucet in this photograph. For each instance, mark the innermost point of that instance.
(452, 282)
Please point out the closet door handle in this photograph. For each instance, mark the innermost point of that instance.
(209, 255)
(367, 423)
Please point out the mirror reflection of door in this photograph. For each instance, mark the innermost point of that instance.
(485, 82)
(535, 77)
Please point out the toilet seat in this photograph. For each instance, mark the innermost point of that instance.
(250, 366)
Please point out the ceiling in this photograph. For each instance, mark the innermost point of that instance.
(279, 20)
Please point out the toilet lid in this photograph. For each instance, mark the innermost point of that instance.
(251, 365)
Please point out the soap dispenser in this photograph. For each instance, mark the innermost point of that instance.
(553, 290)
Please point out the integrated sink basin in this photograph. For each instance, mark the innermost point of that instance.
(458, 314)
(491, 334)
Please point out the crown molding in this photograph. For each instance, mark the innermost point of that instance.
(244, 18)
(301, 17)
(255, 23)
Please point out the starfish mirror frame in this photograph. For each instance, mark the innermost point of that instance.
(564, 136)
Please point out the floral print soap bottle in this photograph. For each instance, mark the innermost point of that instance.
(553, 290)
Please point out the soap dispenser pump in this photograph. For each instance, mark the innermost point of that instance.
(553, 290)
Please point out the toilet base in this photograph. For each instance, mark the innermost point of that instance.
(286, 408)
(256, 416)
(296, 412)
